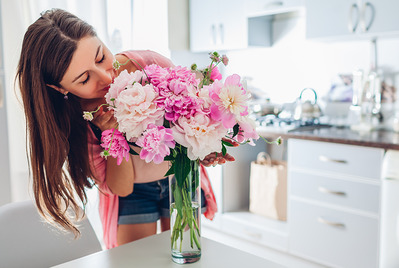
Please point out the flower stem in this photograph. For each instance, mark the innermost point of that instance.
(184, 212)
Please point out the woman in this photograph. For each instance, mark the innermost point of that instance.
(65, 69)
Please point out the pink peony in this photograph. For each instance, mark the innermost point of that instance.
(180, 106)
(199, 134)
(136, 109)
(155, 143)
(230, 100)
(178, 99)
(247, 130)
(215, 74)
(121, 82)
(183, 74)
(156, 74)
(115, 144)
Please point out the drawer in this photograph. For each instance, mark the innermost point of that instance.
(338, 158)
(333, 237)
(347, 193)
(271, 233)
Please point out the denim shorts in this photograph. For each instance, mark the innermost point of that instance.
(148, 202)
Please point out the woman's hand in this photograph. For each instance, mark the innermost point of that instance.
(214, 159)
(104, 119)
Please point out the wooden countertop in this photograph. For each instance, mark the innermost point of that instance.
(375, 138)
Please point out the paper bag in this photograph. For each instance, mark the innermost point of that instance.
(268, 187)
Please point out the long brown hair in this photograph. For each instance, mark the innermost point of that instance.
(56, 131)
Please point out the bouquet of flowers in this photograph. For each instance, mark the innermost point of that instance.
(179, 115)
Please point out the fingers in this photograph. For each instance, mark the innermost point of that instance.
(213, 159)
(98, 113)
(104, 120)
(229, 158)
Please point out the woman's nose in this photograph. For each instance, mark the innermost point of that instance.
(106, 75)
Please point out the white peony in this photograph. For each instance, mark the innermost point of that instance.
(136, 109)
(199, 134)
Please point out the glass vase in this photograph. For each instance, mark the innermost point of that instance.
(185, 216)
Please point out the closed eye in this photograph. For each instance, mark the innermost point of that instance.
(86, 80)
(102, 59)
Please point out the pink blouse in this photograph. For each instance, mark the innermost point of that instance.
(143, 172)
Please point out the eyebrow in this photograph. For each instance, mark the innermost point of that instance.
(76, 78)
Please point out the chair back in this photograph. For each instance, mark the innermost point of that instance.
(26, 240)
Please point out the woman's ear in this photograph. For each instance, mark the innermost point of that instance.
(59, 89)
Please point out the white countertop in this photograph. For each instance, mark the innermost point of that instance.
(154, 251)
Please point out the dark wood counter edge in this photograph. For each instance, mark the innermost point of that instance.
(310, 136)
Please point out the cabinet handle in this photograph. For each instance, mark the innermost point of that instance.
(327, 191)
(365, 27)
(274, 4)
(213, 32)
(221, 29)
(331, 223)
(253, 235)
(351, 25)
(323, 158)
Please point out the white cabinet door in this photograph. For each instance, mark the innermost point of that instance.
(327, 18)
(357, 161)
(217, 25)
(203, 24)
(351, 19)
(333, 237)
(233, 29)
(334, 202)
(386, 18)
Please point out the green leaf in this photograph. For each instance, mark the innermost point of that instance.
(171, 170)
(182, 168)
(227, 143)
(169, 158)
(224, 150)
(236, 128)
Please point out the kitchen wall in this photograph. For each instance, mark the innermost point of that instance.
(293, 62)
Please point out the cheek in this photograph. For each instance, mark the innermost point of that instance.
(87, 92)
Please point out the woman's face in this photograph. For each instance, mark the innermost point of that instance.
(90, 72)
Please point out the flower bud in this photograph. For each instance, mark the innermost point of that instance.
(225, 60)
(214, 56)
(116, 65)
(87, 116)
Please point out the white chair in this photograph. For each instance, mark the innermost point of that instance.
(26, 240)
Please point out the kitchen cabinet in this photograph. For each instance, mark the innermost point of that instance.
(271, 7)
(234, 24)
(334, 202)
(336, 193)
(234, 218)
(217, 25)
(350, 19)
